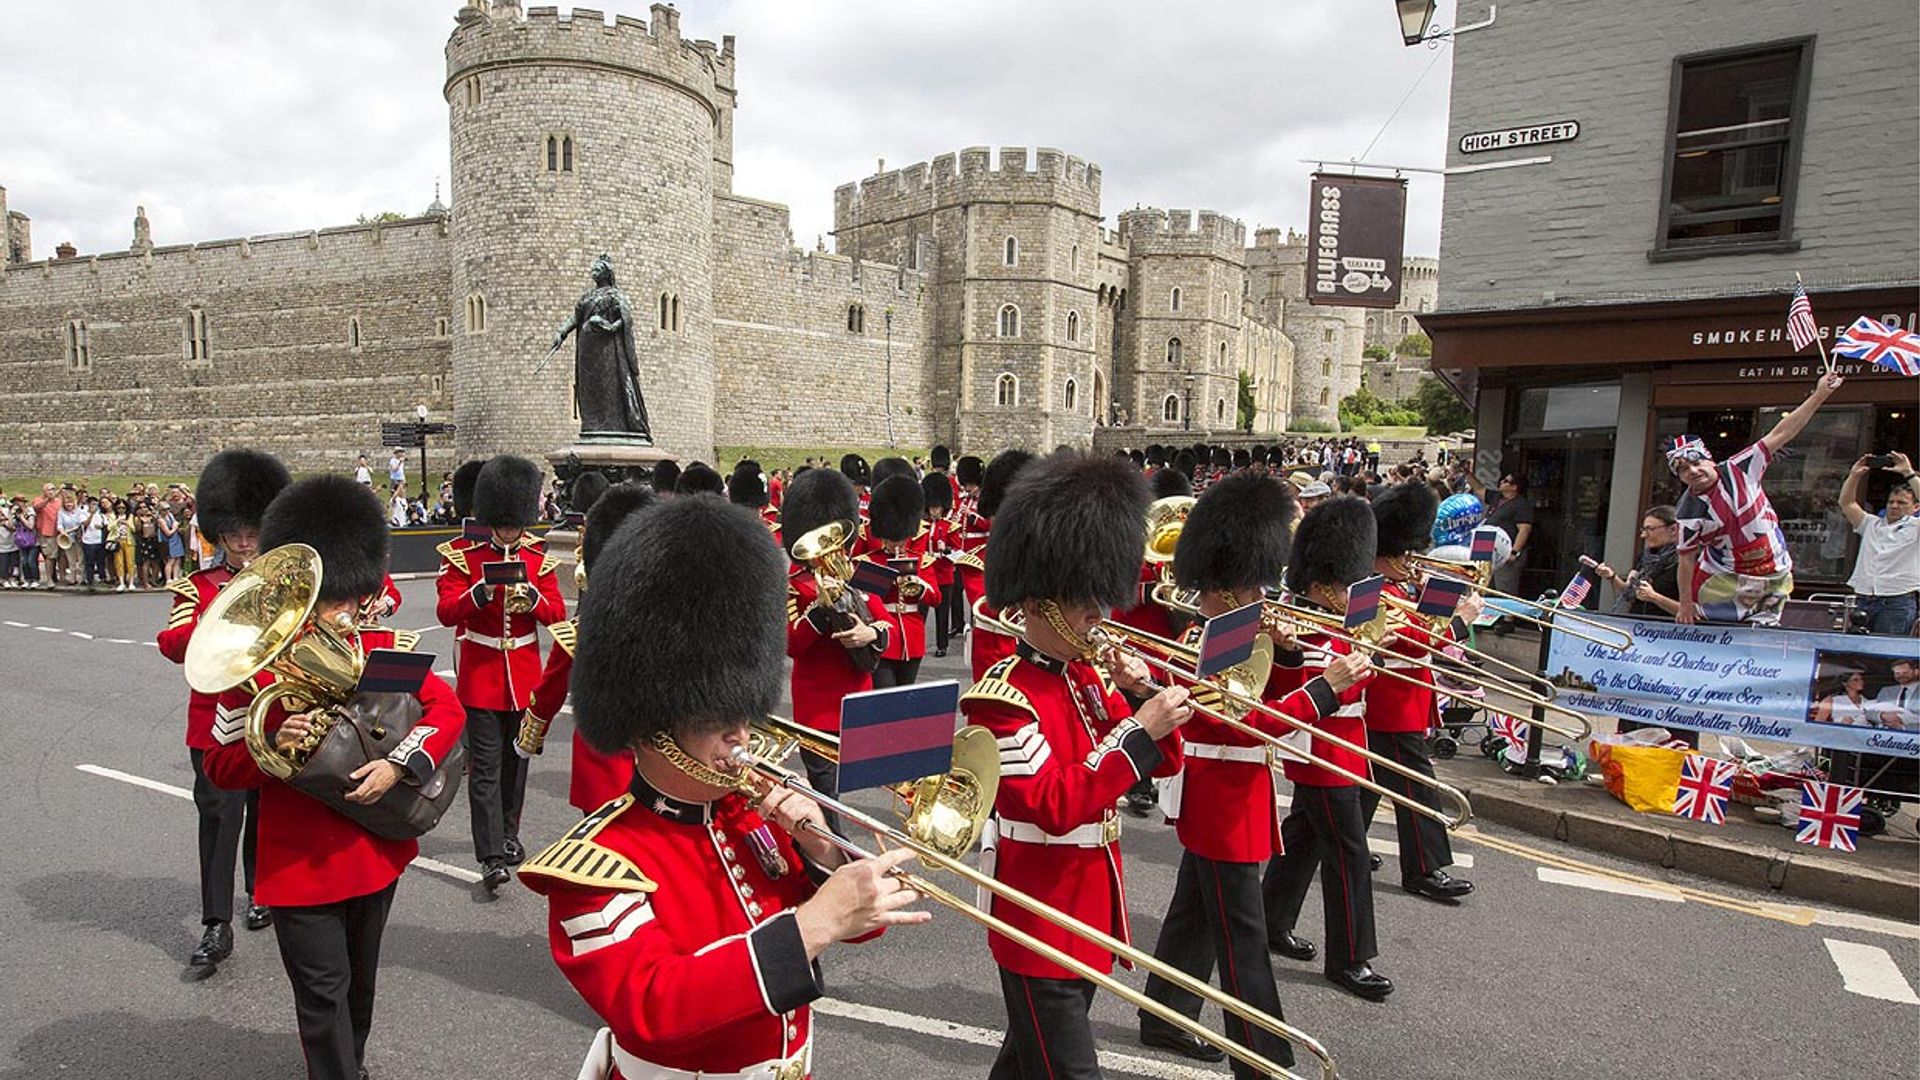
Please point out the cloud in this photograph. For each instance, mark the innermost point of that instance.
(236, 117)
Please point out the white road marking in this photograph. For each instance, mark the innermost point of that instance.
(1869, 971)
(1390, 849)
(49, 629)
(1853, 921)
(151, 644)
(946, 1029)
(119, 640)
(431, 865)
(81, 635)
(21, 625)
(1606, 884)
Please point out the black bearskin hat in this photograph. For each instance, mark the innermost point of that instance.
(1236, 536)
(968, 470)
(234, 489)
(1166, 483)
(1222, 457)
(1242, 459)
(815, 498)
(666, 477)
(507, 493)
(940, 458)
(894, 511)
(1138, 457)
(586, 490)
(937, 491)
(891, 466)
(747, 486)
(1403, 515)
(608, 512)
(999, 473)
(1072, 529)
(699, 478)
(689, 602)
(1333, 545)
(1184, 463)
(1156, 454)
(341, 520)
(464, 478)
(854, 467)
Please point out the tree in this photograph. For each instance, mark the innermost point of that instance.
(1377, 352)
(1245, 409)
(384, 217)
(1414, 345)
(1440, 408)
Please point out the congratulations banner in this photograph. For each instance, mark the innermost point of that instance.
(1843, 691)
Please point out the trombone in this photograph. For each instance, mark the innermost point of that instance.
(945, 817)
(1409, 611)
(1479, 575)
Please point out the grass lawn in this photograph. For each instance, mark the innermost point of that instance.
(30, 485)
(792, 457)
(1388, 432)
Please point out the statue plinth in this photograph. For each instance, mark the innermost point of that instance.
(619, 459)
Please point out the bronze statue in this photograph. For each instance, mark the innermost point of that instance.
(606, 381)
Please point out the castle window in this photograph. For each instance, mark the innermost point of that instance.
(1009, 321)
(1070, 398)
(676, 313)
(1423, 303)
(666, 312)
(1220, 410)
(1170, 409)
(1324, 392)
(1006, 390)
(1073, 260)
(1173, 350)
(1369, 324)
(476, 313)
(1326, 368)
(196, 337)
(440, 327)
(1073, 326)
(1010, 252)
(79, 353)
(439, 384)
(856, 319)
(566, 153)
(1326, 334)
(473, 90)
(1406, 324)
(1223, 356)
(559, 153)
(1176, 298)
(353, 333)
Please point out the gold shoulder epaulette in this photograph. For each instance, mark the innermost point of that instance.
(969, 560)
(456, 557)
(995, 687)
(549, 563)
(576, 859)
(406, 640)
(566, 634)
(185, 589)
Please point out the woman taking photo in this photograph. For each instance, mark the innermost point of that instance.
(174, 543)
(120, 558)
(150, 548)
(1655, 588)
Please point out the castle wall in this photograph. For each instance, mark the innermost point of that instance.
(280, 374)
(1328, 341)
(1203, 258)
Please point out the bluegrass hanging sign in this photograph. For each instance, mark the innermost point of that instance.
(1356, 230)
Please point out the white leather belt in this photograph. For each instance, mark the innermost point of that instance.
(503, 644)
(1099, 834)
(902, 608)
(1256, 755)
(791, 1068)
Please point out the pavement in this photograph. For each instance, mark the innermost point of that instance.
(1577, 963)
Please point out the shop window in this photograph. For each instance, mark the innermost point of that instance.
(1733, 147)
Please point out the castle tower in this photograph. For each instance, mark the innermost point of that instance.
(572, 137)
(1014, 252)
(16, 235)
(1328, 341)
(1184, 318)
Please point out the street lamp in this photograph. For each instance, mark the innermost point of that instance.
(420, 411)
(1417, 15)
(1186, 414)
(888, 317)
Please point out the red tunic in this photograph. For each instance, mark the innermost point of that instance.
(191, 595)
(499, 659)
(906, 620)
(596, 777)
(971, 563)
(986, 648)
(1394, 704)
(1069, 748)
(1294, 670)
(941, 542)
(823, 672)
(1145, 614)
(309, 853)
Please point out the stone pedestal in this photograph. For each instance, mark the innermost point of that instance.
(619, 460)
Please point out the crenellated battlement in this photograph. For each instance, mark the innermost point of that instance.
(1152, 231)
(1042, 175)
(652, 48)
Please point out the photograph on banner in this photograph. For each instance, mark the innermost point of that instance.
(1865, 690)
(1754, 682)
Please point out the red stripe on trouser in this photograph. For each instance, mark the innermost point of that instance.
(1229, 975)
(1419, 847)
(1333, 834)
(1039, 1037)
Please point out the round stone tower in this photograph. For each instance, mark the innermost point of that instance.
(572, 137)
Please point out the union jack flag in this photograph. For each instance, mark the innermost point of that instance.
(1801, 329)
(1877, 343)
(1829, 815)
(1705, 785)
(1511, 728)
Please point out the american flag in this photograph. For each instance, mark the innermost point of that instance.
(1877, 343)
(1829, 815)
(1576, 591)
(1705, 785)
(1801, 329)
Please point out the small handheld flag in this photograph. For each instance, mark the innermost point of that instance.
(505, 572)
(1513, 731)
(1363, 601)
(1486, 543)
(1576, 591)
(1829, 815)
(1801, 329)
(1877, 343)
(873, 577)
(897, 735)
(904, 566)
(1706, 783)
(1228, 640)
(1441, 596)
(393, 671)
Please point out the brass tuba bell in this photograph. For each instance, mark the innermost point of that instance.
(1165, 518)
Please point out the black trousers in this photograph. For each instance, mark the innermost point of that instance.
(1325, 830)
(1424, 846)
(496, 780)
(332, 956)
(950, 618)
(1048, 1034)
(896, 673)
(1217, 916)
(228, 820)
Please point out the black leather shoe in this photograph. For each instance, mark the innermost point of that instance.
(1161, 1035)
(1362, 982)
(494, 873)
(216, 944)
(1140, 805)
(515, 853)
(1292, 946)
(1373, 863)
(259, 916)
(1439, 885)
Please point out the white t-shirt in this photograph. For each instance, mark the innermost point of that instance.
(1889, 560)
(397, 516)
(363, 475)
(94, 531)
(1843, 710)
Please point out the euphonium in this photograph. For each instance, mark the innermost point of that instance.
(520, 598)
(824, 552)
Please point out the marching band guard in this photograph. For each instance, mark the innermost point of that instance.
(330, 881)
(1332, 549)
(1399, 713)
(900, 539)
(827, 665)
(1154, 619)
(1233, 546)
(747, 486)
(986, 648)
(1064, 551)
(233, 490)
(942, 538)
(596, 777)
(499, 663)
(855, 468)
(687, 924)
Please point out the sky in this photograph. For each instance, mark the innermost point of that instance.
(229, 118)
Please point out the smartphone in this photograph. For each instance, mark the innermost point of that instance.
(1880, 461)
